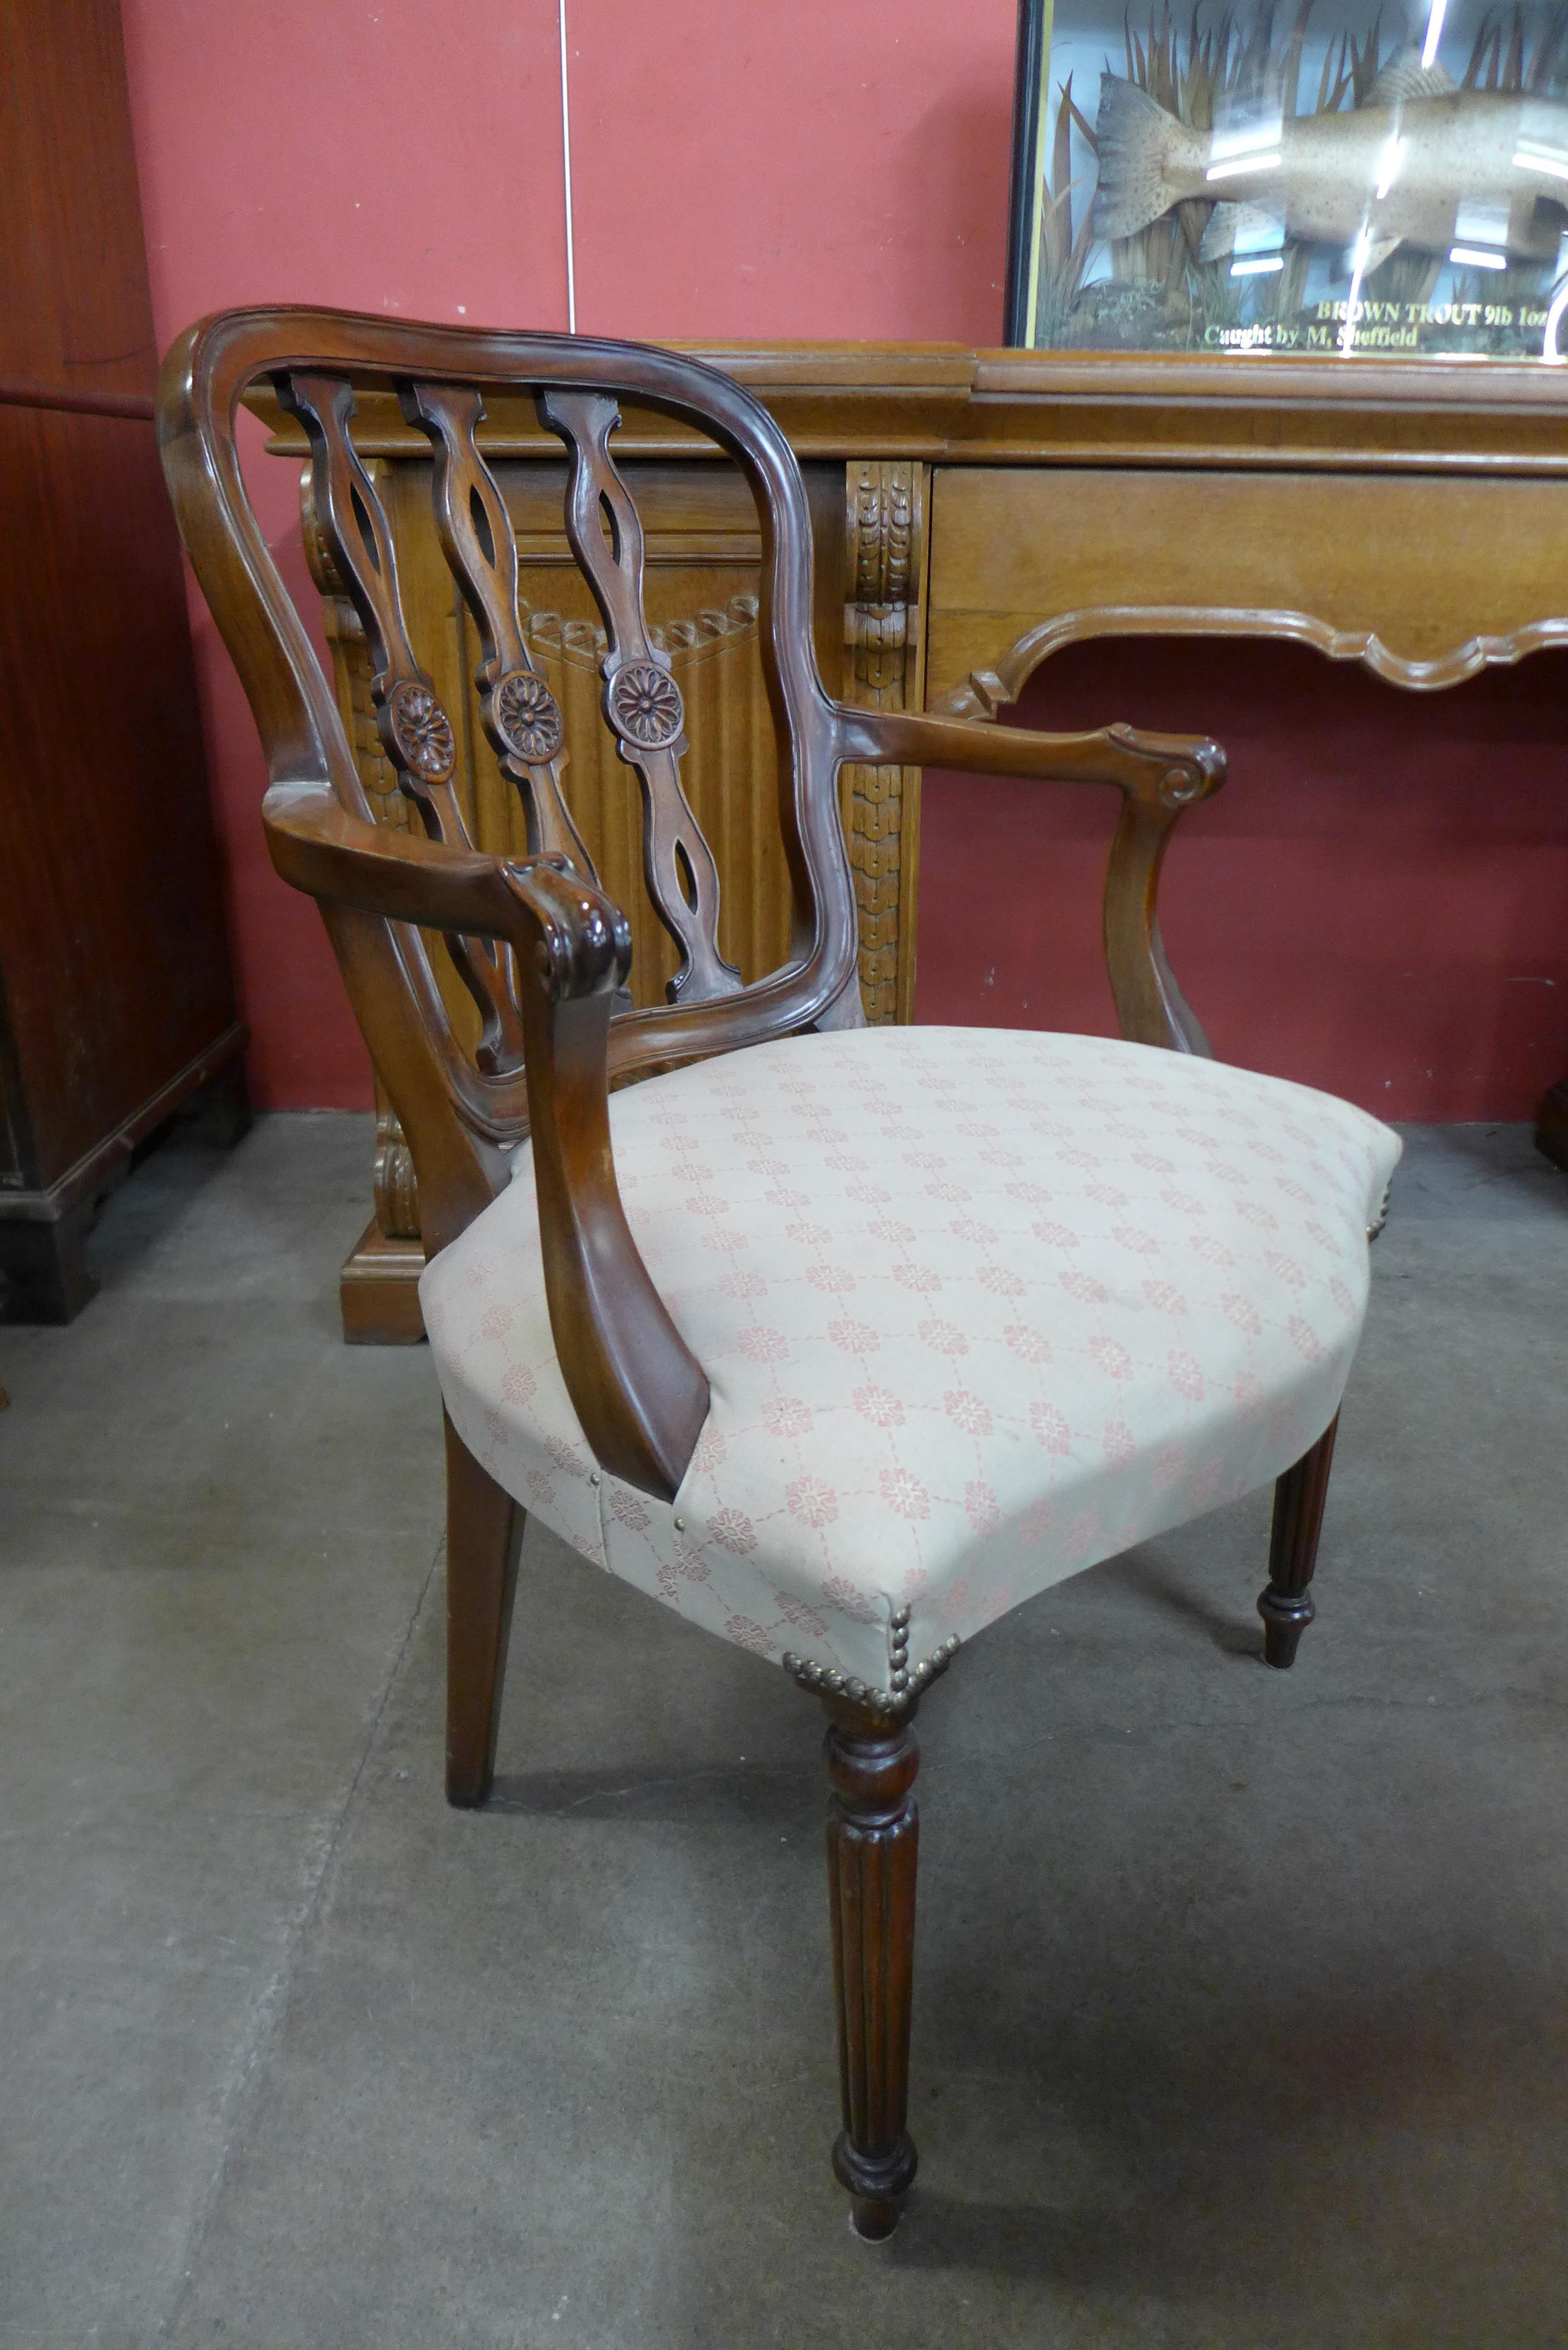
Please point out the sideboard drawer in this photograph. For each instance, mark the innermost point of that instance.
(1351, 564)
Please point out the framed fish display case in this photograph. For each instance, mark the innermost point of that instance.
(1330, 177)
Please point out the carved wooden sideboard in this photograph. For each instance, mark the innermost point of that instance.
(974, 512)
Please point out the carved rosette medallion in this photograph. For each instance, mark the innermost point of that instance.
(420, 731)
(644, 706)
(526, 717)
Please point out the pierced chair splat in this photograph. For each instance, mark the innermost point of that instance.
(840, 1341)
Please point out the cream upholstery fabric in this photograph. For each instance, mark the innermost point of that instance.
(978, 1309)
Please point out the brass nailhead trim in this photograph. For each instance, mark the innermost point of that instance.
(906, 1686)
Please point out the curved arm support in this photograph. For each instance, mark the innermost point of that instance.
(1158, 775)
(1150, 1007)
(639, 1391)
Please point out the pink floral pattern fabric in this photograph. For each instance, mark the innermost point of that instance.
(978, 1309)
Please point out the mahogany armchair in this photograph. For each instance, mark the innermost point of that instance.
(842, 1341)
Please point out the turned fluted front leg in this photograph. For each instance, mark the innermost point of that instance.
(873, 1835)
(1286, 1605)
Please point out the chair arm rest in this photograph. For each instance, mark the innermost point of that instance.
(1174, 770)
(319, 846)
(1158, 775)
(639, 1391)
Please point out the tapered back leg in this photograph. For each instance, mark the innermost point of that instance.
(484, 1539)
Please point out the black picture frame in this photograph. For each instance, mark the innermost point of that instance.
(1195, 278)
(1028, 87)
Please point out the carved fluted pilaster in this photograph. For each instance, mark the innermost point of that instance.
(885, 513)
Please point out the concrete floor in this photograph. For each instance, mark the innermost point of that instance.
(1240, 2011)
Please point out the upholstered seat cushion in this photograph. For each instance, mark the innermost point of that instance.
(978, 1309)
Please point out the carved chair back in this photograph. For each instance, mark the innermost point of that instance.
(317, 362)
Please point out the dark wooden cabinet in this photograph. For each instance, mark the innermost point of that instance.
(115, 998)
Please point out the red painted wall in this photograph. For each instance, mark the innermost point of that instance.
(1376, 902)
(1379, 900)
(388, 155)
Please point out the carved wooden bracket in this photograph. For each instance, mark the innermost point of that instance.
(985, 692)
(394, 1183)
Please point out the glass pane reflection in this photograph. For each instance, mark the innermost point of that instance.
(1347, 177)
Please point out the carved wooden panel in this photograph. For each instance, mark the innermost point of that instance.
(642, 701)
(1026, 562)
(702, 556)
(354, 543)
(521, 716)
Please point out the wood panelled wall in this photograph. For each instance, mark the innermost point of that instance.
(115, 1001)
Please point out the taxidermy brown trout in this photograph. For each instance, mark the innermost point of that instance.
(1397, 170)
